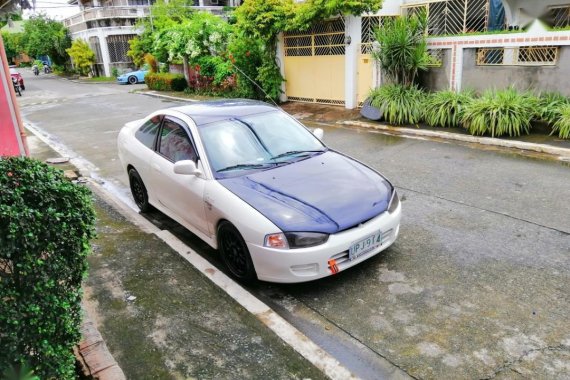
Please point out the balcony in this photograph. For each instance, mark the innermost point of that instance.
(79, 22)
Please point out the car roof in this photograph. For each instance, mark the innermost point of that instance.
(216, 110)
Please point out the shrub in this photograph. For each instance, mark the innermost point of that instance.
(499, 113)
(46, 223)
(549, 105)
(400, 104)
(562, 124)
(151, 62)
(444, 108)
(165, 81)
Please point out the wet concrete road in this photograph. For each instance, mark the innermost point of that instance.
(477, 285)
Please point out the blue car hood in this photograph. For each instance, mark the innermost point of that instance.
(326, 193)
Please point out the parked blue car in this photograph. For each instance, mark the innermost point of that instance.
(132, 77)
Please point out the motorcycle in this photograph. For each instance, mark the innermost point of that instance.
(17, 89)
(47, 69)
(36, 70)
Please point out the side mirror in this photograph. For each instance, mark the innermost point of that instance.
(186, 167)
(319, 133)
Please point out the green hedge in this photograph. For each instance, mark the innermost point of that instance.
(46, 223)
(165, 82)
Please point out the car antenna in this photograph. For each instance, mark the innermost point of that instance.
(255, 83)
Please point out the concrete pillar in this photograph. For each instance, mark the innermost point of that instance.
(353, 33)
(280, 53)
(104, 52)
(456, 67)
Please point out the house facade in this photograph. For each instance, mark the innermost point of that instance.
(474, 44)
(109, 25)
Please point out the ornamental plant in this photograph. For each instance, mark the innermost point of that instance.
(445, 108)
(562, 124)
(499, 113)
(403, 48)
(400, 104)
(46, 223)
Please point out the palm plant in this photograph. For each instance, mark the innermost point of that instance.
(402, 48)
(499, 113)
(400, 104)
(562, 124)
(445, 108)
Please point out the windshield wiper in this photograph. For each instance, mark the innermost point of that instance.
(245, 166)
(297, 152)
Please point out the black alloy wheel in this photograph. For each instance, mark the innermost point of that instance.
(132, 80)
(234, 253)
(139, 191)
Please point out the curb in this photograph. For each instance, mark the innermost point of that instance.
(562, 153)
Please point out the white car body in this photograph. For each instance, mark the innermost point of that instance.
(199, 201)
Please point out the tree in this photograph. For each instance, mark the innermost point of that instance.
(44, 36)
(82, 56)
(12, 44)
(14, 6)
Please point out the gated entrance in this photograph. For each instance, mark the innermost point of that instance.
(315, 63)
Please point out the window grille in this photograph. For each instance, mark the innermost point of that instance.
(518, 56)
(453, 16)
(324, 38)
(559, 16)
(435, 57)
(368, 28)
(118, 47)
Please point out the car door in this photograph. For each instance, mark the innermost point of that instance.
(181, 194)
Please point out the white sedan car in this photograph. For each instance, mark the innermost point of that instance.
(254, 183)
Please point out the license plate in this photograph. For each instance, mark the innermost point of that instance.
(365, 245)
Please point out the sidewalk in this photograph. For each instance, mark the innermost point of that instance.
(166, 313)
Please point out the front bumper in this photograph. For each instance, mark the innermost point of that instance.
(122, 80)
(307, 264)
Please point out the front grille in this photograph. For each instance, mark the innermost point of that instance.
(341, 260)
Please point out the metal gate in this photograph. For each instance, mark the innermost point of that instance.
(315, 63)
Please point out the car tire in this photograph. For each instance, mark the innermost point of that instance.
(235, 254)
(133, 80)
(138, 190)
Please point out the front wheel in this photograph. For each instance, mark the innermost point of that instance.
(132, 80)
(17, 89)
(138, 190)
(234, 253)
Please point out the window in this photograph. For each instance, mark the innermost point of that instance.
(174, 142)
(147, 133)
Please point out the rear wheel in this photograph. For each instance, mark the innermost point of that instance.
(234, 253)
(138, 190)
(132, 80)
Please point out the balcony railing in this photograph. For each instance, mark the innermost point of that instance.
(140, 11)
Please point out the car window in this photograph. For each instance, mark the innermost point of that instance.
(174, 142)
(256, 140)
(147, 132)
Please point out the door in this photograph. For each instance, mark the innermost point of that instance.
(181, 194)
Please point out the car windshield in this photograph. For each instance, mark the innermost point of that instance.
(257, 142)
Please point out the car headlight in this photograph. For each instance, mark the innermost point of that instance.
(295, 240)
(394, 203)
